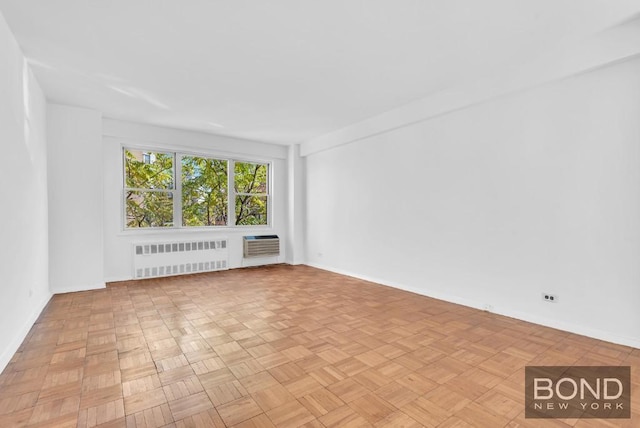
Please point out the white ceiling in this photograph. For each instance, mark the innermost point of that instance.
(283, 71)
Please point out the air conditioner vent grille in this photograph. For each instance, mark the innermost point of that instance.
(261, 246)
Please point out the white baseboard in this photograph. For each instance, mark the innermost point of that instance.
(528, 317)
(12, 347)
(61, 290)
(118, 279)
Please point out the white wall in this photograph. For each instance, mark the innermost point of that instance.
(24, 286)
(492, 205)
(75, 198)
(118, 243)
(296, 206)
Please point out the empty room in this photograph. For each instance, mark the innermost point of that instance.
(304, 213)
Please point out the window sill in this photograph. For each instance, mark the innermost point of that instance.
(194, 230)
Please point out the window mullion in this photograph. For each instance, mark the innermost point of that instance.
(177, 194)
(231, 217)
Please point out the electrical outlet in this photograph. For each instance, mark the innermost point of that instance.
(551, 298)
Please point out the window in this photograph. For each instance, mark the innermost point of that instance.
(252, 193)
(213, 192)
(204, 191)
(149, 188)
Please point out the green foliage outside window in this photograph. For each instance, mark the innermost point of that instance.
(150, 186)
(251, 187)
(204, 191)
(147, 189)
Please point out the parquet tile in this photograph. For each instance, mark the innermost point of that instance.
(206, 419)
(12, 404)
(190, 405)
(292, 414)
(100, 396)
(327, 375)
(396, 394)
(372, 408)
(303, 386)
(101, 414)
(54, 409)
(343, 416)
(398, 419)
(321, 402)
(224, 392)
(183, 388)
(348, 390)
(239, 410)
(283, 346)
(273, 397)
(144, 400)
(260, 421)
(142, 384)
(153, 417)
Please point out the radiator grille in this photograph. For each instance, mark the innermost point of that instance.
(261, 246)
(154, 259)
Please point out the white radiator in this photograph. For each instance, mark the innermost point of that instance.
(154, 259)
(261, 246)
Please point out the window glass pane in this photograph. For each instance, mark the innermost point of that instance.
(251, 178)
(149, 208)
(251, 210)
(148, 170)
(204, 191)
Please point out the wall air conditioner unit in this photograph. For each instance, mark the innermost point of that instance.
(261, 246)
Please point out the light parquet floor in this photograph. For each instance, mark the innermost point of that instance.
(283, 346)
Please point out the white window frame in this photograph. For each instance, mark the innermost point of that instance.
(177, 189)
(125, 189)
(233, 194)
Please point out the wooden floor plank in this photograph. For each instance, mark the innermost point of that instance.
(282, 346)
